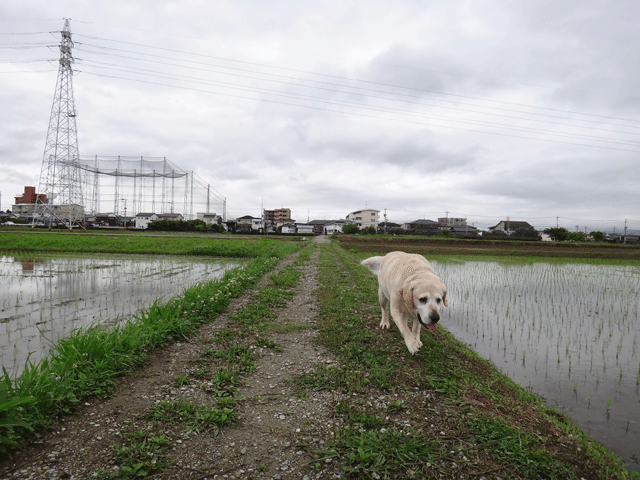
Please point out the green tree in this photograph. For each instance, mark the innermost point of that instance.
(558, 234)
(350, 229)
(597, 236)
(527, 232)
(577, 237)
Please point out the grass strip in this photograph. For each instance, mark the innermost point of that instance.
(90, 360)
(518, 434)
(143, 243)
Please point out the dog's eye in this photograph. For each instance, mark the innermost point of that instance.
(438, 300)
(424, 300)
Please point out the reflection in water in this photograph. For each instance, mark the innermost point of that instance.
(45, 299)
(568, 333)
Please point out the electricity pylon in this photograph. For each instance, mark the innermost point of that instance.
(60, 189)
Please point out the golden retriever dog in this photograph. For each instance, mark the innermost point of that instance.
(409, 284)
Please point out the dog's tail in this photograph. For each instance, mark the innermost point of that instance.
(372, 263)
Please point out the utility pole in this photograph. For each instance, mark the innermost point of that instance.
(385, 221)
(59, 193)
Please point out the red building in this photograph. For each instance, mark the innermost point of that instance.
(30, 196)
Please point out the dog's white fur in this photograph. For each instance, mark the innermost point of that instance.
(409, 284)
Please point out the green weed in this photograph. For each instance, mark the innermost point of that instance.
(385, 451)
(181, 381)
(196, 418)
(519, 449)
(140, 457)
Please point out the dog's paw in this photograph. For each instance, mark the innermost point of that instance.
(384, 324)
(413, 345)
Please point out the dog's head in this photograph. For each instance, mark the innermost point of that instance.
(423, 299)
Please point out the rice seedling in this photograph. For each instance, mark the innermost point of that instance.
(586, 313)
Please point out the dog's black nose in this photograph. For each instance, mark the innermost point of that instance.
(434, 318)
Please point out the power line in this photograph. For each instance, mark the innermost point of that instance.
(384, 109)
(306, 54)
(366, 115)
(365, 95)
(359, 80)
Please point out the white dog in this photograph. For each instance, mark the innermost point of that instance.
(407, 281)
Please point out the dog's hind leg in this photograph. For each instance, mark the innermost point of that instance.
(384, 303)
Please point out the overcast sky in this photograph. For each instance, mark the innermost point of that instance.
(484, 110)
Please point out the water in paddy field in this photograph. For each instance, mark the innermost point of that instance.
(44, 299)
(566, 332)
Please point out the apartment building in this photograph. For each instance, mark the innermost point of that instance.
(365, 218)
(276, 218)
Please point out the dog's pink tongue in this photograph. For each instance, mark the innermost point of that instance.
(431, 327)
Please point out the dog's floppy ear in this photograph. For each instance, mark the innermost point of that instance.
(444, 299)
(407, 297)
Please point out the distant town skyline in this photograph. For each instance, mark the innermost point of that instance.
(485, 110)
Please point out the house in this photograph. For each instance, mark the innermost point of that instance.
(365, 218)
(327, 227)
(446, 222)
(389, 227)
(142, 220)
(175, 217)
(621, 238)
(288, 228)
(248, 224)
(7, 217)
(209, 218)
(318, 226)
(509, 226)
(463, 231)
(422, 227)
(297, 228)
(304, 229)
(334, 227)
(106, 219)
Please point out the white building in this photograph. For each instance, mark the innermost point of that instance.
(209, 218)
(365, 218)
(334, 227)
(289, 228)
(304, 229)
(142, 220)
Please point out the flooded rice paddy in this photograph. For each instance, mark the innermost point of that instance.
(566, 332)
(43, 299)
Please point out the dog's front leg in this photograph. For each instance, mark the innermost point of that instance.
(416, 331)
(400, 320)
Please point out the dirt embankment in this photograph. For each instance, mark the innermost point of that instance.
(270, 439)
(442, 246)
(278, 433)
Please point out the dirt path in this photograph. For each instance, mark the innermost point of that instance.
(270, 439)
